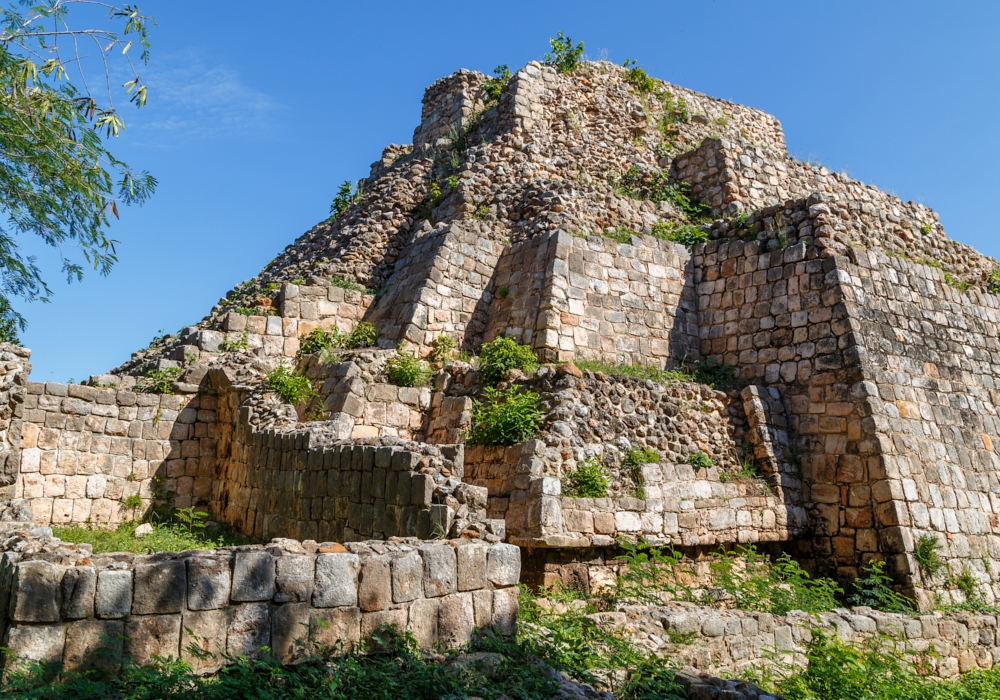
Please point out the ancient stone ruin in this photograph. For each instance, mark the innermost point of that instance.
(864, 340)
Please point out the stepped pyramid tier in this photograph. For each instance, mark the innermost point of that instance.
(864, 344)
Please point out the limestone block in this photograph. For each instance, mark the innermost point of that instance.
(253, 577)
(439, 570)
(505, 610)
(79, 584)
(407, 577)
(471, 561)
(114, 593)
(159, 587)
(423, 621)
(152, 635)
(37, 590)
(208, 582)
(249, 629)
(336, 580)
(206, 631)
(33, 643)
(456, 620)
(290, 632)
(372, 622)
(374, 584)
(504, 566)
(336, 627)
(482, 604)
(93, 644)
(294, 578)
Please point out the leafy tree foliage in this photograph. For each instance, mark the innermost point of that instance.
(58, 180)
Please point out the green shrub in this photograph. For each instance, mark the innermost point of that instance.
(565, 56)
(242, 343)
(501, 354)
(502, 291)
(699, 459)
(777, 587)
(442, 349)
(874, 590)
(621, 234)
(493, 87)
(320, 340)
(635, 458)
(651, 679)
(647, 573)
(993, 282)
(675, 110)
(405, 369)
(926, 228)
(505, 417)
(345, 197)
(638, 78)
(688, 236)
(344, 283)
(292, 388)
(926, 554)
(588, 480)
(364, 335)
(161, 380)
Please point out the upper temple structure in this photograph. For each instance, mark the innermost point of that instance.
(544, 207)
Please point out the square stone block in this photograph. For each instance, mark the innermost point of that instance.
(249, 630)
(253, 577)
(152, 635)
(208, 582)
(159, 587)
(203, 639)
(336, 629)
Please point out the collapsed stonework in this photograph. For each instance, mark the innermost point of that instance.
(866, 342)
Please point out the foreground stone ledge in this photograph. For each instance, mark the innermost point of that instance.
(62, 604)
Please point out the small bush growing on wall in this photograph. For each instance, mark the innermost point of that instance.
(926, 554)
(699, 459)
(502, 354)
(405, 369)
(688, 236)
(161, 380)
(320, 340)
(442, 349)
(993, 282)
(874, 590)
(364, 335)
(292, 388)
(588, 480)
(505, 417)
(565, 56)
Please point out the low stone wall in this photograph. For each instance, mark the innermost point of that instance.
(733, 641)
(85, 450)
(61, 604)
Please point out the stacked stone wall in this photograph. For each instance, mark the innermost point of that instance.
(86, 450)
(931, 356)
(595, 299)
(14, 371)
(733, 641)
(66, 606)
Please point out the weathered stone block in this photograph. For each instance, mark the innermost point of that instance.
(374, 585)
(504, 565)
(37, 592)
(407, 577)
(336, 580)
(33, 643)
(93, 644)
(337, 627)
(423, 621)
(482, 605)
(505, 610)
(439, 570)
(79, 584)
(208, 582)
(253, 577)
(249, 629)
(159, 587)
(456, 619)
(471, 559)
(206, 632)
(152, 635)
(294, 578)
(114, 593)
(372, 622)
(290, 632)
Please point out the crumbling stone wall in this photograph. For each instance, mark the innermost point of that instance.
(14, 371)
(61, 604)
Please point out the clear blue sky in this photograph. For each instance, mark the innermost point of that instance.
(257, 111)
